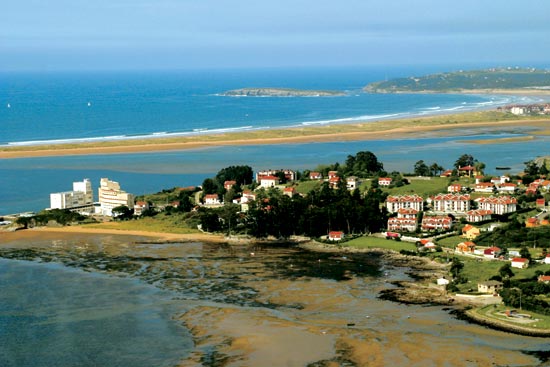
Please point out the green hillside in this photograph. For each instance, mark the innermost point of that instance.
(498, 78)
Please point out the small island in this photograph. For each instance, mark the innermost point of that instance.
(494, 80)
(280, 92)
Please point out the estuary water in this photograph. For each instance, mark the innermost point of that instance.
(51, 315)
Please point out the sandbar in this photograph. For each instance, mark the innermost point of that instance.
(373, 130)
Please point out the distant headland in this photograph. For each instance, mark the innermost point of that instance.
(280, 92)
(494, 80)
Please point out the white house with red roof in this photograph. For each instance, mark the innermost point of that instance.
(491, 252)
(466, 170)
(520, 263)
(478, 215)
(289, 191)
(140, 207)
(384, 181)
(447, 173)
(436, 222)
(486, 187)
(315, 176)
(406, 220)
(229, 184)
(451, 203)
(290, 175)
(268, 181)
(336, 236)
(212, 199)
(547, 259)
(507, 187)
(332, 174)
(396, 202)
(352, 183)
(498, 205)
(454, 188)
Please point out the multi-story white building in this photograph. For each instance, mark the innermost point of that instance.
(111, 196)
(434, 223)
(451, 203)
(394, 203)
(498, 205)
(81, 199)
(406, 220)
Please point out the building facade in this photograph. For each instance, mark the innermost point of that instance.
(111, 196)
(81, 199)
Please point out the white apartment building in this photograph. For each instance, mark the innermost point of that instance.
(498, 205)
(81, 199)
(449, 203)
(111, 196)
(394, 203)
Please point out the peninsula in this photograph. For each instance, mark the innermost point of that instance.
(280, 92)
(494, 80)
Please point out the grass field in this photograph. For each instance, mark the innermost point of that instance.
(304, 187)
(376, 242)
(160, 223)
(493, 312)
(421, 187)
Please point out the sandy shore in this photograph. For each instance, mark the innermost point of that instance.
(387, 129)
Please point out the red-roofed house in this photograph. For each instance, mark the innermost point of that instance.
(384, 181)
(547, 259)
(394, 203)
(451, 203)
(478, 215)
(467, 246)
(289, 191)
(447, 173)
(433, 223)
(541, 202)
(406, 220)
(507, 187)
(268, 181)
(212, 199)
(466, 170)
(454, 188)
(470, 232)
(498, 205)
(520, 263)
(315, 176)
(336, 236)
(229, 184)
(484, 187)
(140, 207)
(544, 279)
(491, 252)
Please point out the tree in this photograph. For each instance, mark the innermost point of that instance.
(464, 160)
(524, 253)
(505, 271)
(364, 163)
(122, 212)
(241, 174)
(436, 169)
(209, 186)
(421, 169)
(456, 267)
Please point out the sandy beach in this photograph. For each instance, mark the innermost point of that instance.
(376, 130)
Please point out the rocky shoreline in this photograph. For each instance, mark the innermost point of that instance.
(280, 92)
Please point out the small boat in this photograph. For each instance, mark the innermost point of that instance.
(502, 168)
(9, 105)
(89, 104)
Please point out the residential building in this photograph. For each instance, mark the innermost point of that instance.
(489, 287)
(111, 196)
(140, 207)
(80, 199)
(406, 220)
(290, 175)
(289, 191)
(384, 181)
(507, 188)
(454, 188)
(394, 203)
(491, 252)
(336, 236)
(520, 263)
(352, 183)
(544, 279)
(228, 185)
(470, 232)
(498, 205)
(437, 223)
(451, 203)
(487, 187)
(315, 176)
(212, 199)
(547, 259)
(478, 215)
(467, 246)
(268, 181)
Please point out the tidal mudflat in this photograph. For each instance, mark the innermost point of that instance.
(252, 305)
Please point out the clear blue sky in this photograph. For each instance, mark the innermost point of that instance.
(168, 34)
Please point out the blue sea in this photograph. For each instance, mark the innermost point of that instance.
(90, 106)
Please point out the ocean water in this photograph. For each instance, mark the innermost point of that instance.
(61, 107)
(51, 315)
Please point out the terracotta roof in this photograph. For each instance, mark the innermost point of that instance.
(519, 260)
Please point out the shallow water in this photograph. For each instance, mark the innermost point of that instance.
(51, 315)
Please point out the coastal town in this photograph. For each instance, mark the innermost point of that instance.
(456, 219)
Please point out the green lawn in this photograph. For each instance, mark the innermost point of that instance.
(160, 223)
(304, 187)
(543, 321)
(375, 242)
(423, 188)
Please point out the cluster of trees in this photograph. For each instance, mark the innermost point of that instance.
(533, 170)
(323, 210)
(60, 216)
(422, 169)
